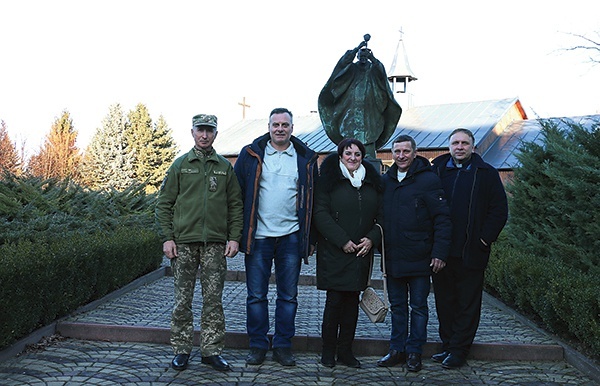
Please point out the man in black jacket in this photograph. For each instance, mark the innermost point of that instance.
(479, 211)
(417, 230)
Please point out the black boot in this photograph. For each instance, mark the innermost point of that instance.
(330, 327)
(348, 321)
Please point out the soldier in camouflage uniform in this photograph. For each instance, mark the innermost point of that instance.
(199, 212)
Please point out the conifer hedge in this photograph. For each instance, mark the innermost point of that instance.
(62, 246)
(547, 262)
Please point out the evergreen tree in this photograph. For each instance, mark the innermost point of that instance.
(9, 158)
(555, 196)
(164, 152)
(152, 146)
(108, 161)
(58, 156)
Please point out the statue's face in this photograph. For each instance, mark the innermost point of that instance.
(363, 55)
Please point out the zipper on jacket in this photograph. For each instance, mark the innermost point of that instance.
(359, 206)
(469, 212)
(206, 184)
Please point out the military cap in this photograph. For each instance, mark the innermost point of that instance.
(204, 120)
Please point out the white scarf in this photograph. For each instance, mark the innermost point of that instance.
(359, 175)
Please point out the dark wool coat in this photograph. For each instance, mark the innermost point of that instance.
(484, 209)
(416, 220)
(343, 213)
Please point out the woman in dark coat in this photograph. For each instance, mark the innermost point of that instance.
(348, 203)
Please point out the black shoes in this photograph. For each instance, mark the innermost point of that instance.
(413, 362)
(453, 362)
(217, 362)
(256, 356)
(348, 359)
(180, 361)
(328, 358)
(439, 357)
(284, 356)
(392, 358)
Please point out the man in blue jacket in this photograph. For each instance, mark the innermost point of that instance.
(276, 173)
(417, 228)
(479, 211)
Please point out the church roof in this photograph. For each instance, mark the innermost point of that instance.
(499, 127)
(502, 153)
(429, 125)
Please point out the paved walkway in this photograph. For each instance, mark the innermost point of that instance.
(123, 340)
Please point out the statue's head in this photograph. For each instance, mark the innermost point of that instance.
(363, 54)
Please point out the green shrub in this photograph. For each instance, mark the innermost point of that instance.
(62, 245)
(41, 282)
(564, 300)
(546, 264)
(39, 209)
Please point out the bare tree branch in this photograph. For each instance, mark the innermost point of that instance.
(593, 46)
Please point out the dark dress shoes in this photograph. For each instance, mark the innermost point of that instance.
(347, 358)
(413, 362)
(453, 361)
(256, 356)
(439, 357)
(328, 358)
(180, 361)
(217, 362)
(392, 359)
(284, 356)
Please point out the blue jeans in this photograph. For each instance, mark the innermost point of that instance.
(398, 292)
(285, 252)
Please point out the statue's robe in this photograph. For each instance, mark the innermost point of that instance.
(357, 102)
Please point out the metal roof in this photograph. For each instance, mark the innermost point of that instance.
(502, 153)
(431, 126)
(428, 125)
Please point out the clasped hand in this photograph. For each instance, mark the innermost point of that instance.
(361, 249)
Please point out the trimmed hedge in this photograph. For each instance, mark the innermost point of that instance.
(566, 301)
(41, 282)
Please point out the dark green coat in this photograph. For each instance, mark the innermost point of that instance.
(200, 200)
(344, 213)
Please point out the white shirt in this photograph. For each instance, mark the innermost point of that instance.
(278, 191)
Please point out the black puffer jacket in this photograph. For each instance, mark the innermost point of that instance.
(416, 220)
(344, 213)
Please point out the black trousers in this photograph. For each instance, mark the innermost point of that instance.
(458, 294)
(340, 317)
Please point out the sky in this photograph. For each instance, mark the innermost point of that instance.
(181, 58)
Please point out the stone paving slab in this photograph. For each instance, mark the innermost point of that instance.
(68, 361)
(150, 306)
(77, 362)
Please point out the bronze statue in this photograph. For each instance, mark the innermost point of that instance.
(357, 102)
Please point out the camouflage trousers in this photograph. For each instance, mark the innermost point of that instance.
(210, 259)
